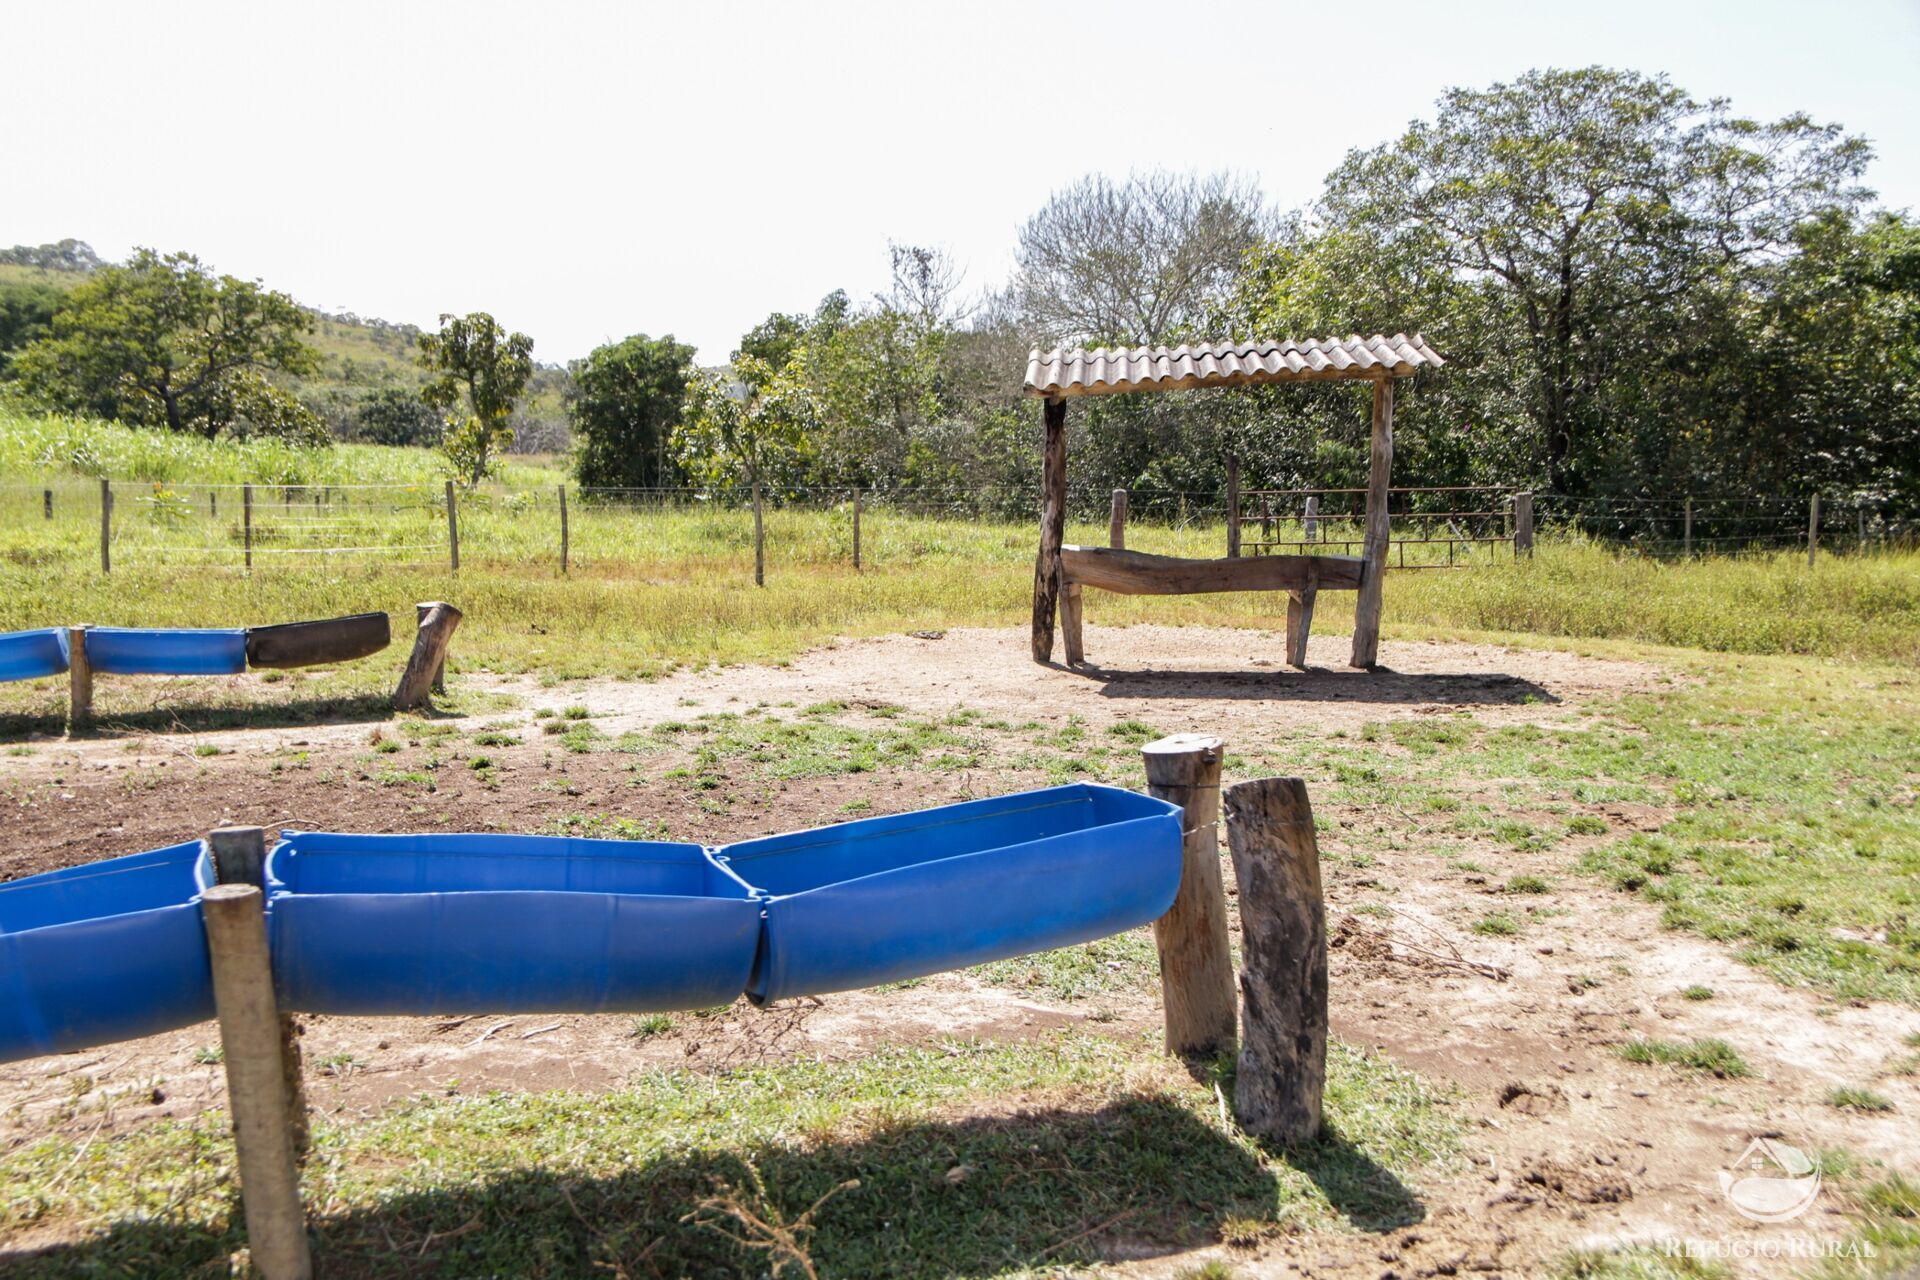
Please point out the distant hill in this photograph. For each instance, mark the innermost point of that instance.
(359, 355)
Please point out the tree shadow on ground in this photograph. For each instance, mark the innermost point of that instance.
(1325, 684)
(975, 1196)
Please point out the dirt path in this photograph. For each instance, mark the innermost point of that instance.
(1569, 1143)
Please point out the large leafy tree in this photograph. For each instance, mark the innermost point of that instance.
(475, 364)
(625, 402)
(164, 341)
(753, 423)
(27, 308)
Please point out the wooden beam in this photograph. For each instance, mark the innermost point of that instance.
(1366, 611)
(1053, 528)
(1196, 965)
(1117, 522)
(1136, 573)
(1282, 1071)
(437, 622)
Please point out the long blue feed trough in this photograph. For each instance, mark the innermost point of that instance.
(103, 952)
(28, 655)
(167, 651)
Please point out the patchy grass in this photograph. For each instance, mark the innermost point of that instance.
(1858, 1098)
(1125, 962)
(571, 1184)
(1713, 1057)
(1641, 1262)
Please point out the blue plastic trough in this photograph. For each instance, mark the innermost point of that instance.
(103, 952)
(170, 651)
(917, 893)
(27, 655)
(510, 924)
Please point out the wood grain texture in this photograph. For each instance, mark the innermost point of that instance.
(1053, 528)
(1366, 610)
(1196, 964)
(1140, 574)
(1117, 521)
(1233, 506)
(453, 529)
(1071, 617)
(1300, 615)
(1523, 524)
(438, 619)
(79, 680)
(1282, 1073)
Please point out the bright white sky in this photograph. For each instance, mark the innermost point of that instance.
(590, 170)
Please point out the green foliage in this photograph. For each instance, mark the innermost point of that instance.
(163, 341)
(475, 361)
(1713, 1057)
(753, 426)
(27, 308)
(395, 416)
(625, 404)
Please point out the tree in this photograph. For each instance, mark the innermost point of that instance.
(474, 356)
(395, 416)
(1136, 261)
(27, 308)
(63, 255)
(163, 341)
(753, 424)
(1597, 211)
(625, 403)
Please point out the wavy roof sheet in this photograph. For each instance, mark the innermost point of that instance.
(1109, 370)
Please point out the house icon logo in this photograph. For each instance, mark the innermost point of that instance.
(1771, 1182)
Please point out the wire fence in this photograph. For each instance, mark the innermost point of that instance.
(143, 525)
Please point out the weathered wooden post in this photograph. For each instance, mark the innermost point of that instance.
(420, 612)
(1686, 527)
(1311, 520)
(1283, 957)
(1233, 505)
(759, 539)
(1366, 611)
(1300, 615)
(1053, 528)
(46, 502)
(213, 503)
(437, 622)
(1522, 524)
(1117, 521)
(1196, 965)
(263, 1129)
(106, 525)
(1813, 529)
(563, 528)
(453, 529)
(856, 528)
(79, 680)
(246, 521)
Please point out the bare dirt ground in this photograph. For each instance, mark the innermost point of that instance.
(1569, 1144)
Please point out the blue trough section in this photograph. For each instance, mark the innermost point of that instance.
(103, 952)
(27, 655)
(891, 898)
(170, 651)
(425, 924)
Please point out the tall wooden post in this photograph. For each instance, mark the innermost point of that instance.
(263, 1129)
(1813, 529)
(759, 539)
(1117, 522)
(437, 622)
(856, 528)
(1053, 528)
(46, 502)
(1366, 611)
(1283, 960)
(213, 503)
(1522, 524)
(453, 529)
(1196, 965)
(106, 525)
(563, 528)
(1686, 537)
(246, 521)
(79, 680)
(1233, 505)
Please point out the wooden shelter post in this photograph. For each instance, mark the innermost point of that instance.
(1366, 611)
(1053, 528)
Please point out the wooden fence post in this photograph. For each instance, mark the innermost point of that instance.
(1283, 960)
(239, 856)
(1379, 536)
(856, 528)
(1522, 525)
(759, 539)
(1686, 530)
(1196, 966)
(437, 622)
(79, 680)
(106, 524)
(257, 1091)
(1117, 522)
(213, 503)
(46, 502)
(453, 529)
(1311, 520)
(1813, 529)
(563, 528)
(1233, 505)
(246, 521)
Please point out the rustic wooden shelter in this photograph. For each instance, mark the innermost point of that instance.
(1062, 571)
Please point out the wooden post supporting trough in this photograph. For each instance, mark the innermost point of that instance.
(437, 622)
(1300, 615)
(1053, 529)
(1522, 524)
(1196, 966)
(263, 1131)
(1283, 977)
(1366, 611)
(79, 680)
(1117, 522)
